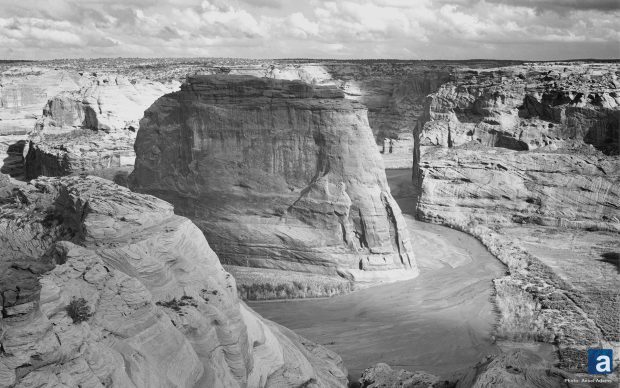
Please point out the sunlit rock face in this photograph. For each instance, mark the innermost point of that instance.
(162, 311)
(92, 129)
(277, 174)
(25, 90)
(499, 186)
(523, 144)
(526, 107)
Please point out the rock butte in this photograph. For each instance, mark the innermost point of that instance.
(163, 311)
(278, 174)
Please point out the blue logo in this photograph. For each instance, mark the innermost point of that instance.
(600, 361)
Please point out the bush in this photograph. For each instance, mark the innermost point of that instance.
(78, 310)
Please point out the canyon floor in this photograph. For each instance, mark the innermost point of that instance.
(440, 322)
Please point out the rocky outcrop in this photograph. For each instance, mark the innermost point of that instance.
(382, 375)
(516, 369)
(107, 102)
(24, 90)
(526, 107)
(157, 309)
(565, 188)
(566, 112)
(277, 174)
(92, 129)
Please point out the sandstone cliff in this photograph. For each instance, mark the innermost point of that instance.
(161, 311)
(564, 188)
(567, 113)
(92, 129)
(525, 159)
(24, 90)
(526, 107)
(277, 174)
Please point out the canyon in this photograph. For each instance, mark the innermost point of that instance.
(280, 165)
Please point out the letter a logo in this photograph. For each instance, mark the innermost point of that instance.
(600, 361)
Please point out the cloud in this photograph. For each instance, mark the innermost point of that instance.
(561, 6)
(316, 28)
(273, 4)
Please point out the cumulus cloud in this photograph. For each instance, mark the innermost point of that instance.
(451, 29)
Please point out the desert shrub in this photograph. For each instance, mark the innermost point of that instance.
(78, 310)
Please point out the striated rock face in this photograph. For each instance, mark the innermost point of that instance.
(499, 186)
(277, 174)
(526, 107)
(162, 311)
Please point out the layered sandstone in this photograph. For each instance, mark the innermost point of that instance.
(565, 115)
(163, 312)
(526, 107)
(564, 188)
(24, 90)
(277, 174)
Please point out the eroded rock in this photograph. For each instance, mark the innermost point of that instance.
(163, 312)
(92, 129)
(278, 174)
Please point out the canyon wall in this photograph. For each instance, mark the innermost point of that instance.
(525, 158)
(278, 174)
(566, 116)
(24, 90)
(569, 189)
(526, 107)
(104, 287)
(91, 129)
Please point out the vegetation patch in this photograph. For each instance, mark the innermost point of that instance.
(78, 310)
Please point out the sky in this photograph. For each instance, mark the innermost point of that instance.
(398, 29)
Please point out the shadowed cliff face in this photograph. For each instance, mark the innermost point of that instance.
(162, 310)
(277, 174)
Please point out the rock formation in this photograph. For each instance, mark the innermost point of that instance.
(24, 90)
(526, 107)
(154, 306)
(382, 375)
(526, 159)
(564, 112)
(520, 368)
(564, 188)
(277, 174)
(92, 129)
